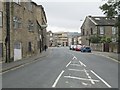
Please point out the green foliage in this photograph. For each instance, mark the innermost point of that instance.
(105, 39)
(110, 8)
(95, 39)
(100, 39)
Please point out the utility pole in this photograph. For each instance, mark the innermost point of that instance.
(7, 40)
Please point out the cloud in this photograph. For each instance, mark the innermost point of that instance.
(67, 16)
(61, 29)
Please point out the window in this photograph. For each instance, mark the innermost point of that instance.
(16, 22)
(29, 46)
(17, 45)
(30, 25)
(0, 19)
(91, 31)
(87, 33)
(101, 30)
(83, 33)
(113, 30)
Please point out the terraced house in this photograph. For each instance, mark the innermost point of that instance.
(21, 35)
(100, 33)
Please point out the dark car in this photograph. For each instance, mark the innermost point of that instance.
(85, 49)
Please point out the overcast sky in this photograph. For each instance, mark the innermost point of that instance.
(68, 15)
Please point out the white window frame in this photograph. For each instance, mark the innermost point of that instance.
(102, 31)
(30, 25)
(114, 29)
(17, 22)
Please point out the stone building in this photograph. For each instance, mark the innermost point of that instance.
(41, 27)
(22, 40)
(50, 39)
(61, 38)
(103, 27)
(73, 38)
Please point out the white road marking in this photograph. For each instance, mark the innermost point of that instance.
(82, 64)
(101, 79)
(74, 58)
(75, 64)
(89, 77)
(81, 78)
(75, 70)
(84, 83)
(68, 64)
(56, 81)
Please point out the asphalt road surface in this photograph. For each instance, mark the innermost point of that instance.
(64, 68)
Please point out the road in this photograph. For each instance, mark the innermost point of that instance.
(63, 68)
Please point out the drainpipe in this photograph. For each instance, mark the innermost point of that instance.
(7, 40)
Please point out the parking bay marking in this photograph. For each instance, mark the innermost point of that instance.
(101, 79)
(89, 76)
(76, 70)
(72, 77)
(56, 81)
(68, 64)
(82, 64)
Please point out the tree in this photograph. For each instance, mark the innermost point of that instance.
(95, 39)
(105, 39)
(111, 9)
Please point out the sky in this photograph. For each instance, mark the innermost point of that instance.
(68, 15)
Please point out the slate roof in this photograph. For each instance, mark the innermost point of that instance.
(103, 21)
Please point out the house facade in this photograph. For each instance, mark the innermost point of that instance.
(50, 39)
(102, 27)
(21, 36)
(74, 38)
(61, 38)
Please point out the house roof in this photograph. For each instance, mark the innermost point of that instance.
(103, 21)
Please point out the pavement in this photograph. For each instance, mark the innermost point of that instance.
(8, 66)
(114, 56)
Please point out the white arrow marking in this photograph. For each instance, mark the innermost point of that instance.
(74, 58)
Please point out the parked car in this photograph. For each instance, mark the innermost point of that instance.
(74, 47)
(59, 45)
(78, 47)
(86, 49)
(71, 47)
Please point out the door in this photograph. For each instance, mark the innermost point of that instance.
(106, 47)
(17, 51)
